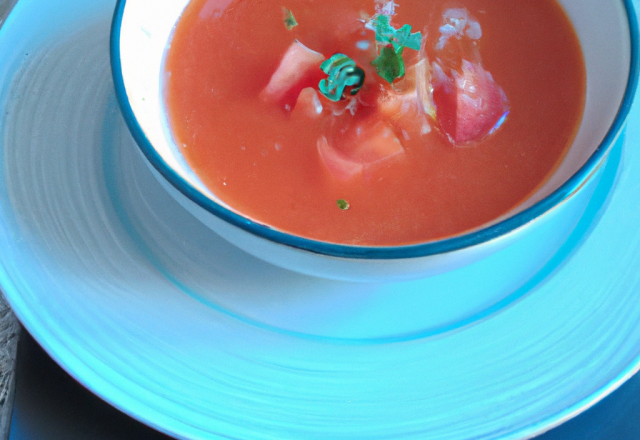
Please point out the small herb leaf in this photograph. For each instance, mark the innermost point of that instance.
(384, 31)
(391, 42)
(389, 64)
(400, 38)
(288, 18)
(343, 204)
(404, 38)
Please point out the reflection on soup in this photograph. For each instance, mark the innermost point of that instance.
(373, 123)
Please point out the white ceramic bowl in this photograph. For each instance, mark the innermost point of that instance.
(609, 38)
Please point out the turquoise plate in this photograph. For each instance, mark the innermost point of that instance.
(166, 321)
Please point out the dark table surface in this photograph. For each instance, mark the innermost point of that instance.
(50, 405)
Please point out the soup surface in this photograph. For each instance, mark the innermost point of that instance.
(487, 107)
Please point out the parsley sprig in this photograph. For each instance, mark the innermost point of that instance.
(389, 64)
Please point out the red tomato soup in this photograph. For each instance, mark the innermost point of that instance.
(490, 99)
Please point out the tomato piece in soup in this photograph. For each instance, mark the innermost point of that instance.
(298, 69)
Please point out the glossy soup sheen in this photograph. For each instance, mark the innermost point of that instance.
(263, 161)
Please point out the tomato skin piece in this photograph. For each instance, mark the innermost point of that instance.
(469, 104)
(299, 68)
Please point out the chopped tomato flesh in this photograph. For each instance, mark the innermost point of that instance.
(365, 147)
(403, 107)
(308, 105)
(469, 104)
(298, 69)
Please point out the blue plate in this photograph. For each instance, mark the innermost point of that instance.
(166, 321)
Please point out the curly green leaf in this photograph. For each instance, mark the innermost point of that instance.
(343, 72)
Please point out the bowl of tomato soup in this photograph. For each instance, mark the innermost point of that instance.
(373, 140)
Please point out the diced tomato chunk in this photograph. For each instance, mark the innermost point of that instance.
(308, 105)
(338, 164)
(469, 104)
(403, 106)
(405, 113)
(298, 69)
(396, 106)
(375, 143)
(363, 148)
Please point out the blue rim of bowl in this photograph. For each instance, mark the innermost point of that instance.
(378, 252)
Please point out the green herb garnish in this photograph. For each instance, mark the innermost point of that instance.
(387, 35)
(289, 20)
(404, 38)
(343, 204)
(389, 63)
(343, 72)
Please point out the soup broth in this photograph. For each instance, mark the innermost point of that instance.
(397, 163)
